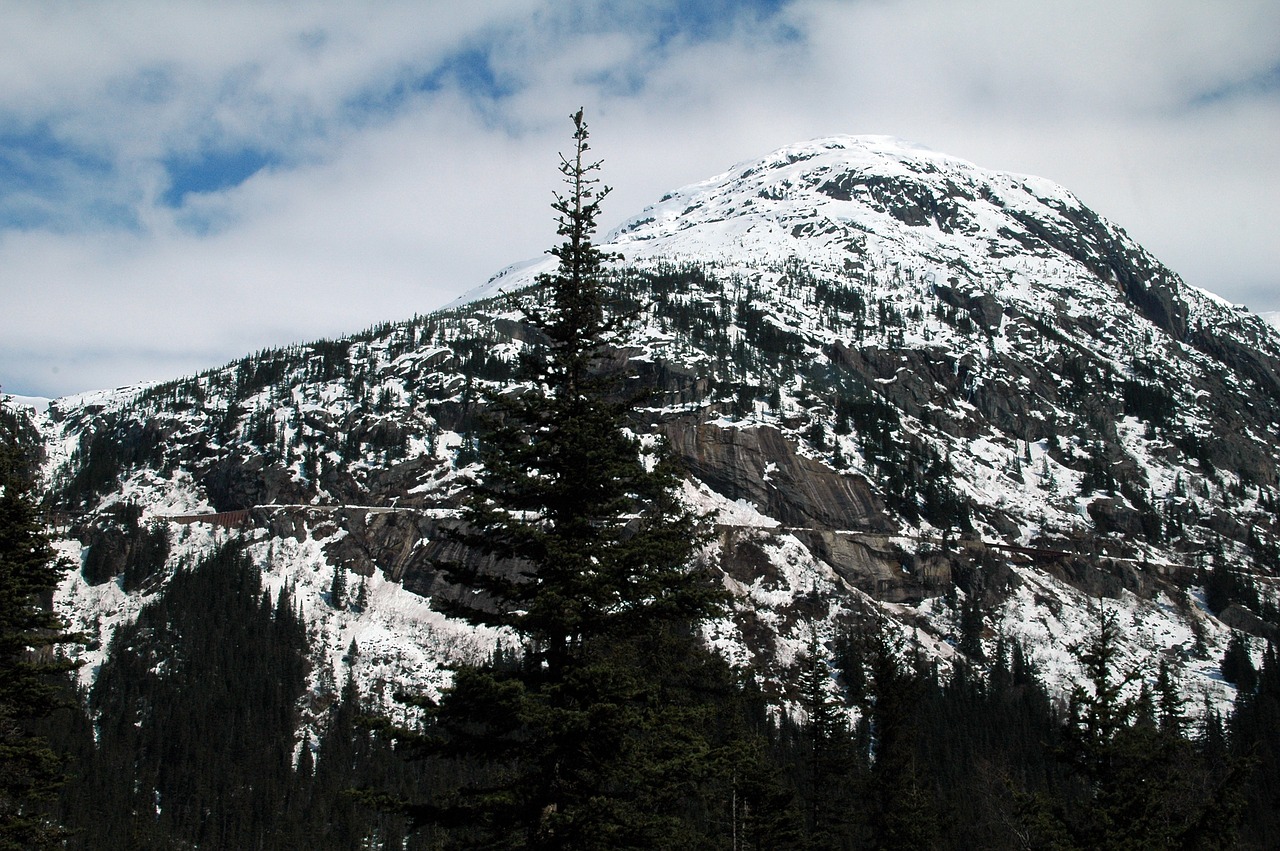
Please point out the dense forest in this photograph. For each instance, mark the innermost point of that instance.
(611, 725)
(196, 709)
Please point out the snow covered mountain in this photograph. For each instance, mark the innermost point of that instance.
(902, 384)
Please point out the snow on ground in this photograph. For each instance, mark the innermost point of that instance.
(38, 404)
(94, 610)
(1053, 621)
(393, 642)
(400, 642)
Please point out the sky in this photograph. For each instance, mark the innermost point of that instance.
(184, 183)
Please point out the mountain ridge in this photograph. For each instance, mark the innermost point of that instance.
(897, 379)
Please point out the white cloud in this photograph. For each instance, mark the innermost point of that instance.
(375, 212)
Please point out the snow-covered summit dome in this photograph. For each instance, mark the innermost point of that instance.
(839, 203)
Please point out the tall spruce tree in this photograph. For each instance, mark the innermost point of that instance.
(32, 677)
(600, 734)
(1255, 740)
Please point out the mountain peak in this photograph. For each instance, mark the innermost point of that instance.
(842, 178)
(878, 202)
(850, 148)
(870, 200)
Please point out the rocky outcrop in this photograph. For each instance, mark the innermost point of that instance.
(760, 466)
(118, 544)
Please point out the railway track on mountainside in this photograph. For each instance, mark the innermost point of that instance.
(242, 518)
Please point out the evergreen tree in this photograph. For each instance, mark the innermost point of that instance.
(1237, 665)
(1173, 719)
(832, 759)
(338, 587)
(195, 710)
(1255, 737)
(32, 677)
(1143, 784)
(904, 815)
(971, 626)
(351, 758)
(600, 734)
(980, 743)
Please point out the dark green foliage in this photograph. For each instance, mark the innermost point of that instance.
(261, 429)
(1142, 785)
(32, 676)
(760, 810)
(259, 372)
(904, 814)
(834, 765)
(1224, 587)
(338, 588)
(329, 359)
(981, 739)
(114, 445)
(24, 446)
(1237, 666)
(971, 626)
(674, 750)
(843, 299)
(148, 555)
(971, 762)
(119, 545)
(869, 416)
(475, 358)
(336, 808)
(1146, 401)
(99, 467)
(1255, 739)
(1097, 473)
(196, 716)
(764, 338)
(940, 504)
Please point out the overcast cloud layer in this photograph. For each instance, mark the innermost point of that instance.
(183, 183)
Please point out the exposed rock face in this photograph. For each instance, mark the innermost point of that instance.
(236, 482)
(392, 542)
(760, 466)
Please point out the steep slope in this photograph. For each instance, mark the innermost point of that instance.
(904, 386)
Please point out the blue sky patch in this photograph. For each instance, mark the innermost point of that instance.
(469, 70)
(1263, 83)
(35, 160)
(212, 171)
(38, 171)
(707, 20)
(473, 72)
